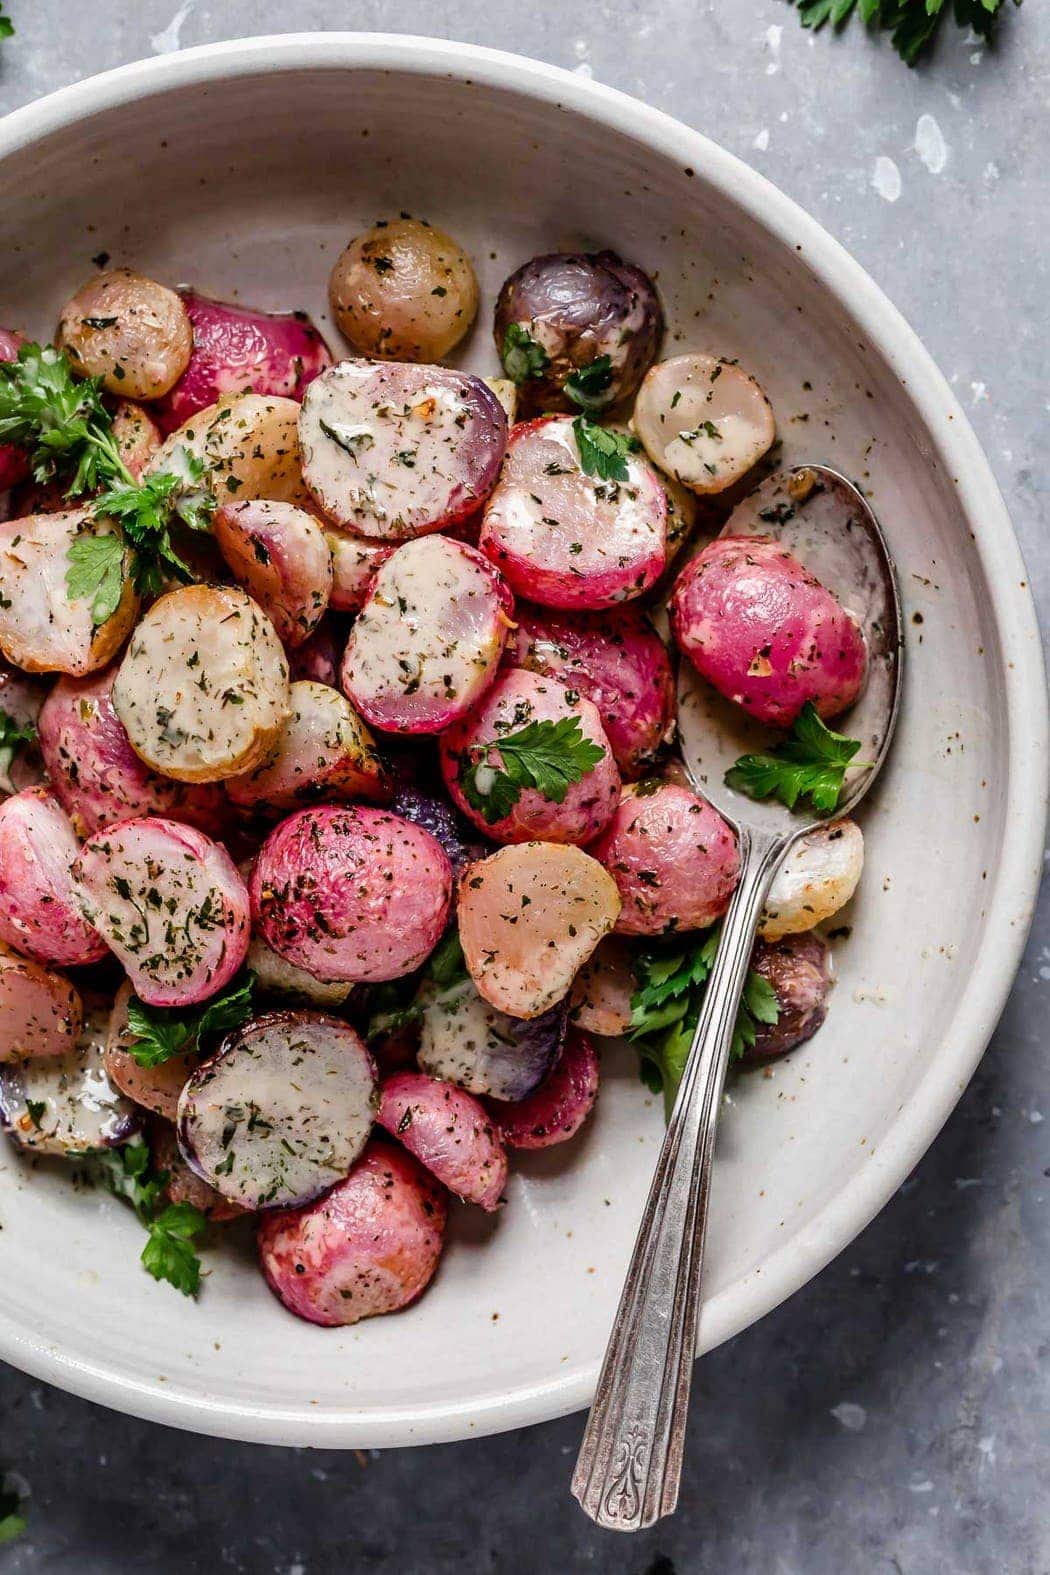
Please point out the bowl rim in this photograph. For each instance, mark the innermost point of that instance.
(1016, 880)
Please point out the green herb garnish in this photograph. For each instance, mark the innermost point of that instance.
(547, 756)
(586, 386)
(168, 1254)
(13, 736)
(12, 1520)
(401, 1001)
(665, 1008)
(603, 453)
(522, 356)
(61, 421)
(811, 763)
(913, 24)
(7, 28)
(165, 1031)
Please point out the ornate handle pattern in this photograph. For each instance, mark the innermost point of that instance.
(630, 1461)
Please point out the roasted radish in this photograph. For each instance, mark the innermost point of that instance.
(130, 331)
(40, 1011)
(392, 451)
(65, 1104)
(818, 877)
(403, 291)
(155, 1088)
(529, 917)
(601, 996)
(557, 1109)
(354, 563)
(323, 753)
(279, 554)
(281, 1111)
(703, 420)
(275, 976)
(202, 691)
(428, 640)
(565, 536)
(449, 1132)
(465, 1040)
(369, 1246)
(799, 970)
(248, 445)
(39, 911)
(171, 905)
(354, 894)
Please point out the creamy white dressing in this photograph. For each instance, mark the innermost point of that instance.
(66, 1104)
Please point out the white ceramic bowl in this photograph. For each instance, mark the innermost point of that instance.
(243, 168)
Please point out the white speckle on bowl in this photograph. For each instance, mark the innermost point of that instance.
(761, 142)
(886, 178)
(852, 1417)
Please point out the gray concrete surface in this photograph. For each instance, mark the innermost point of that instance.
(895, 1415)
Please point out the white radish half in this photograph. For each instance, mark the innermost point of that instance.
(39, 909)
(40, 1011)
(703, 420)
(66, 1104)
(43, 628)
(466, 1041)
(601, 995)
(427, 642)
(818, 877)
(281, 1112)
(171, 905)
(324, 752)
(529, 917)
(396, 450)
(354, 561)
(279, 554)
(202, 690)
(248, 445)
(564, 538)
(275, 976)
(448, 1131)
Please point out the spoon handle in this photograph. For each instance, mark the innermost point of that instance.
(630, 1461)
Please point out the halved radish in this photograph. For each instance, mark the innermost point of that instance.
(96, 775)
(281, 1111)
(279, 554)
(449, 1132)
(472, 764)
(202, 691)
(396, 450)
(317, 659)
(39, 911)
(564, 538)
(703, 420)
(427, 642)
(818, 877)
(556, 1110)
(529, 917)
(248, 445)
(616, 660)
(65, 1104)
(369, 1246)
(601, 996)
(40, 1011)
(466, 1041)
(155, 1088)
(275, 976)
(182, 1185)
(352, 893)
(323, 753)
(171, 905)
(354, 562)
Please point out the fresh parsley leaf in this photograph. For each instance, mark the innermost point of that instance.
(603, 453)
(7, 28)
(665, 1008)
(127, 1174)
(912, 24)
(547, 756)
(396, 1004)
(811, 763)
(58, 418)
(522, 356)
(165, 1031)
(96, 572)
(168, 1254)
(588, 384)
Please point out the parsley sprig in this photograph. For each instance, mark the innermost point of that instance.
(13, 737)
(523, 357)
(665, 1008)
(165, 1031)
(7, 28)
(811, 763)
(589, 384)
(62, 422)
(547, 756)
(603, 453)
(913, 24)
(168, 1255)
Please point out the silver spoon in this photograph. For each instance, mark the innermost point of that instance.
(630, 1461)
